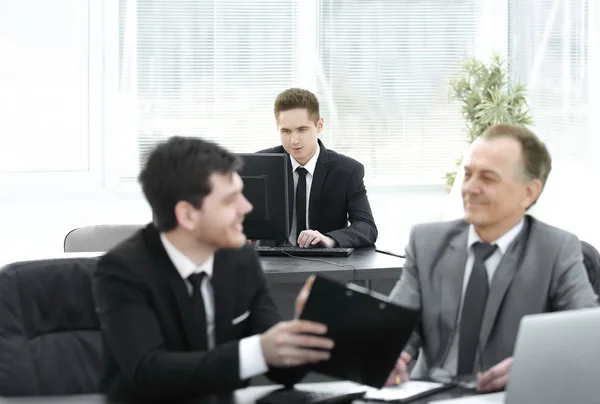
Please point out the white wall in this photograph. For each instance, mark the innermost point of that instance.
(34, 224)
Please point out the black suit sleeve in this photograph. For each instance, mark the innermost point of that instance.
(264, 316)
(362, 231)
(134, 335)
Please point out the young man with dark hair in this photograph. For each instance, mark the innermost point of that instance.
(326, 188)
(183, 303)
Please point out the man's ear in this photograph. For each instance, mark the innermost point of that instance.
(185, 214)
(532, 192)
(320, 125)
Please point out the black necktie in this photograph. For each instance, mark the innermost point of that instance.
(473, 309)
(198, 310)
(301, 201)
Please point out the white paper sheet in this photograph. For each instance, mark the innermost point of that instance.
(494, 398)
(402, 391)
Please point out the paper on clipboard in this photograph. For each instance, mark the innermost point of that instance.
(403, 391)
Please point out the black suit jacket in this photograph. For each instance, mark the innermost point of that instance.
(337, 195)
(152, 351)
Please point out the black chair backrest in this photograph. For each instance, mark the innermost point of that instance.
(591, 260)
(50, 339)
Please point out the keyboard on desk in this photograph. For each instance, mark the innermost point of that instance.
(286, 251)
(293, 396)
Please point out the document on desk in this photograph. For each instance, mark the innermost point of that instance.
(493, 398)
(405, 391)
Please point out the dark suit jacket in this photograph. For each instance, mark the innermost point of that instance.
(337, 195)
(152, 351)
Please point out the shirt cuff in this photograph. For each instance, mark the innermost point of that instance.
(252, 360)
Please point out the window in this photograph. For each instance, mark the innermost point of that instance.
(554, 50)
(384, 83)
(380, 69)
(549, 52)
(47, 91)
(203, 68)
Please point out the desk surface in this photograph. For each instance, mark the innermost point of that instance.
(245, 396)
(364, 263)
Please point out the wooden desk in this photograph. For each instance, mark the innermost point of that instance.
(245, 396)
(364, 263)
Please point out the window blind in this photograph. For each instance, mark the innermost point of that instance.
(213, 68)
(548, 50)
(209, 68)
(384, 77)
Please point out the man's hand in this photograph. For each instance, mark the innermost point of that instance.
(400, 372)
(303, 295)
(295, 343)
(494, 379)
(309, 238)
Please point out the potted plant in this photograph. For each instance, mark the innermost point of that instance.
(487, 98)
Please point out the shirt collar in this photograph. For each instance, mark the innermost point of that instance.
(312, 163)
(502, 242)
(183, 264)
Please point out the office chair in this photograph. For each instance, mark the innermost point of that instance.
(50, 338)
(98, 238)
(591, 260)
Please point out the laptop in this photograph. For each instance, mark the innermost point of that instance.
(556, 361)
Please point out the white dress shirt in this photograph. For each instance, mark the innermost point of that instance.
(491, 264)
(310, 167)
(252, 360)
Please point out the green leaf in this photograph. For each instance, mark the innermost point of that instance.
(486, 97)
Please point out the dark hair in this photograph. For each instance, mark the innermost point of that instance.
(179, 170)
(294, 98)
(537, 162)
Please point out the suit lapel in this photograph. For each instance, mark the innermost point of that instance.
(196, 338)
(319, 176)
(503, 277)
(223, 282)
(451, 266)
(321, 171)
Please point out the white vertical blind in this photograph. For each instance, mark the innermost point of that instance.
(553, 49)
(549, 52)
(385, 70)
(380, 68)
(209, 68)
(44, 87)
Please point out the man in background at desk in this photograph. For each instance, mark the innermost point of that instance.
(183, 303)
(474, 279)
(326, 188)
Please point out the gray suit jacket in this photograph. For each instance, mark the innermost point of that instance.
(541, 271)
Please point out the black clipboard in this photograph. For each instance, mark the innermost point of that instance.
(369, 331)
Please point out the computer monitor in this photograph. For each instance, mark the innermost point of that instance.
(265, 177)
